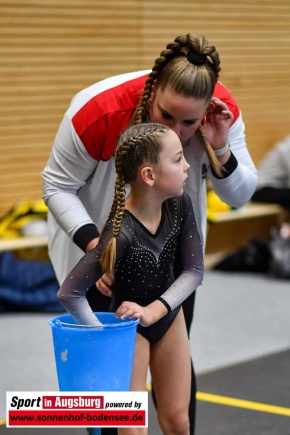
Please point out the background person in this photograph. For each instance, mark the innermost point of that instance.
(274, 176)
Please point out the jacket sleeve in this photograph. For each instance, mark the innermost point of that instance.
(237, 188)
(68, 169)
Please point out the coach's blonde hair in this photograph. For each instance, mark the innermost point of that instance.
(191, 65)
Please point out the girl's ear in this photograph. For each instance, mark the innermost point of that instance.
(147, 175)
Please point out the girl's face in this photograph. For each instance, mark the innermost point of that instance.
(182, 114)
(170, 173)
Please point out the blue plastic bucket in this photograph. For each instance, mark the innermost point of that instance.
(94, 359)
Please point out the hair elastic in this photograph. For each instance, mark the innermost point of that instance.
(222, 150)
(197, 59)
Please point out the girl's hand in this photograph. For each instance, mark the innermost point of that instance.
(147, 315)
(132, 310)
(218, 121)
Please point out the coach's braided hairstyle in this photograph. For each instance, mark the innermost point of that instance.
(191, 65)
(138, 144)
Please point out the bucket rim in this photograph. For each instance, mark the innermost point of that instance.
(124, 323)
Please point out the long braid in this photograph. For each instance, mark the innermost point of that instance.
(141, 113)
(108, 258)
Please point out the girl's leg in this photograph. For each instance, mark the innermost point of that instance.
(188, 310)
(171, 374)
(139, 377)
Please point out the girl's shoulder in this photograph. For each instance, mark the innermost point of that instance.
(128, 227)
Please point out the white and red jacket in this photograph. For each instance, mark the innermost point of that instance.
(79, 179)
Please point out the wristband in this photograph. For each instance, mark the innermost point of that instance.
(222, 150)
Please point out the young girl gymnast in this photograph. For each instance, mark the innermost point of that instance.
(137, 250)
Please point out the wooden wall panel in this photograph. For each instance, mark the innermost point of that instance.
(50, 49)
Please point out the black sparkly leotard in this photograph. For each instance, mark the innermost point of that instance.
(144, 266)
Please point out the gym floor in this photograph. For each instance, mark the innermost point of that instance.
(240, 344)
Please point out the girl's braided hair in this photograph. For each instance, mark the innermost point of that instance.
(138, 144)
(191, 66)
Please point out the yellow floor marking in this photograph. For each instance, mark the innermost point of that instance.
(254, 406)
